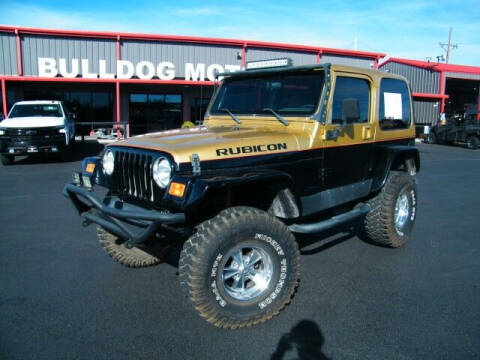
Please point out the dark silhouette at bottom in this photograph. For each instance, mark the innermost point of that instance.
(305, 339)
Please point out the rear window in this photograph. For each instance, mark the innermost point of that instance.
(395, 107)
(29, 110)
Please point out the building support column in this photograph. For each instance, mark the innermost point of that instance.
(319, 57)
(117, 104)
(19, 53)
(4, 98)
(442, 92)
(478, 115)
(244, 56)
(117, 94)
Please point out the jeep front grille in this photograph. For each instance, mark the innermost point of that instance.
(132, 176)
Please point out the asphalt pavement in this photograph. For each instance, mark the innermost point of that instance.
(62, 297)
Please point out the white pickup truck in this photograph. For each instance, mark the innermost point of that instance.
(36, 127)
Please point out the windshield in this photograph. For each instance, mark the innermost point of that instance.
(294, 94)
(29, 110)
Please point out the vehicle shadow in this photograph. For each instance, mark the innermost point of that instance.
(334, 236)
(305, 340)
(82, 150)
(346, 231)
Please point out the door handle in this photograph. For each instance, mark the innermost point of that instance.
(367, 132)
(332, 134)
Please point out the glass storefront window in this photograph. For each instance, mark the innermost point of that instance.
(198, 108)
(173, 99)
(155, 112)
(155, 98)
(138, 98)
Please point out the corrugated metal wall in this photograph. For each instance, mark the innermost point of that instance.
(179, 54)
(35, 46)
(347, 60)
(462, 75)
(299, 58)
(421, 80)
(425, 111)
(8, 54)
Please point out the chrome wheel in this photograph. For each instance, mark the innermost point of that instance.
(247, 273)
(402, 211)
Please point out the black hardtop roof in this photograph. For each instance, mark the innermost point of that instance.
(274, 70)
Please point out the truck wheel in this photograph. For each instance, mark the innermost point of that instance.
(431, 139)
(393, 211)
(68, 152)
(131, 257)
(7, 159)
(473, 142)
(240, 268)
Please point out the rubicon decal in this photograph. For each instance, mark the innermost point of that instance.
(251, 149)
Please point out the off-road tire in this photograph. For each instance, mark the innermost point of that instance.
(431, 138)
(379, 223)
(473, 142)
(133, 257)
(7, 159)
(205, 255)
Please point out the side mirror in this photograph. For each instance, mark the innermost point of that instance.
(71, 116)
(350, 111)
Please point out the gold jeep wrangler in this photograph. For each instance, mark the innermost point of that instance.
(281, 151)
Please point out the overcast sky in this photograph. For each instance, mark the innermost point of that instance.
(408, 29)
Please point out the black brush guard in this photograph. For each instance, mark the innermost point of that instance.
(115, 220)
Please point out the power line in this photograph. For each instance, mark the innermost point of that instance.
(449, 46)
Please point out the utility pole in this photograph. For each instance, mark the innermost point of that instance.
(447, 47)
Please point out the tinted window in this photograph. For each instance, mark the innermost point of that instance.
(36, 110)
(288, 94)
(351, 100)
(394, 105)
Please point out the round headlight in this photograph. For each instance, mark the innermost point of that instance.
(162, 172)
(108, 162)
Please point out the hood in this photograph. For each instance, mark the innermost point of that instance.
(31, 122)
(215, 143)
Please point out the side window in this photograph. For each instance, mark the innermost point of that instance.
(394, 105)
(351, 100)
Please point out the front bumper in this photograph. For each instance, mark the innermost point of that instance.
(127, 221)
(25, 145)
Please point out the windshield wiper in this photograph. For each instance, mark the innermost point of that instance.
(279, 118)
(234, 117)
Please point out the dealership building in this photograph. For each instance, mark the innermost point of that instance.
(153, 82)
(438, 87)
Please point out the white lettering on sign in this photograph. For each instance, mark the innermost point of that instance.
(62, 64)
(125, 69)
(166, 71)
(85, 71)
(145, 70)
(47, 67)
(194, 73)
(103, 70)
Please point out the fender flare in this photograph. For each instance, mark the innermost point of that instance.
(202, 187)
(386, 157)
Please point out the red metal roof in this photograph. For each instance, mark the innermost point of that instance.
(193, 39)
(441, 67)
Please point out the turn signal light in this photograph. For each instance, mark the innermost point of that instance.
(90, 168)
(176, 189)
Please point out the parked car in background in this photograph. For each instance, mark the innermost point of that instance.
(463, 129)
(36, 127)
